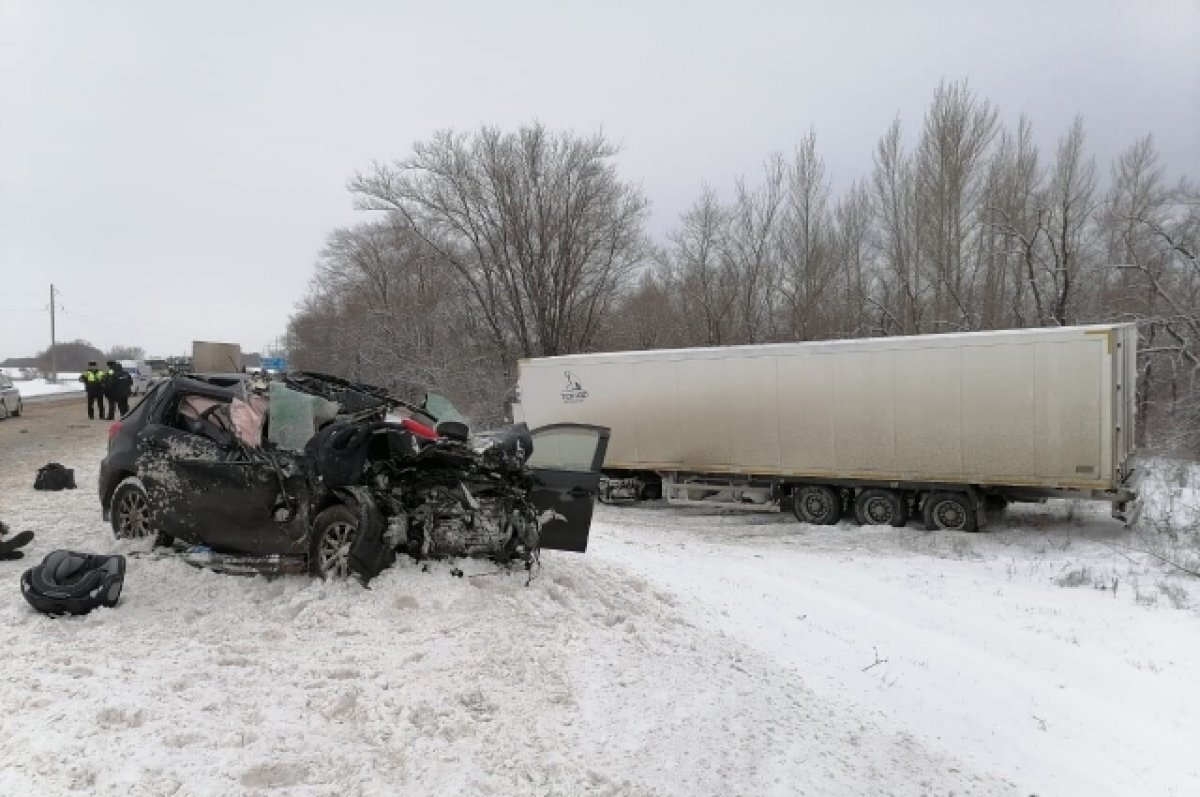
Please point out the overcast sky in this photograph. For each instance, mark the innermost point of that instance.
(174, 167)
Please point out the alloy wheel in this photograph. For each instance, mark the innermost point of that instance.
(334, 553)
(133, 515)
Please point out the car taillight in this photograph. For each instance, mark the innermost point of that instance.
(113, 430)
(419, 429)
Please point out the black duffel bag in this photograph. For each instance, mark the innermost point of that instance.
(54, 477)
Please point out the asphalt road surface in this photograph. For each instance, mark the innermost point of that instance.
(49, 429)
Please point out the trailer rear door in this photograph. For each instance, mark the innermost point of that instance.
(1124, 397)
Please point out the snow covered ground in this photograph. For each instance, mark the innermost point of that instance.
(685, 654)
(1011, 650)
(42, 387)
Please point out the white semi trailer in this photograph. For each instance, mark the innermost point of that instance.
(940, 427)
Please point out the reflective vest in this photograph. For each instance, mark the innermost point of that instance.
(93, 376)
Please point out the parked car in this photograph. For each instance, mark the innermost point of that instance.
(140, 373)
(10, 398)
(216, 462)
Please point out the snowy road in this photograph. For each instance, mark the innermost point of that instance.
(685, 654)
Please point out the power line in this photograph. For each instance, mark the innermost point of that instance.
(121, 325)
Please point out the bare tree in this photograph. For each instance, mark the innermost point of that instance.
(647, 317)
(1159, 233)
(1012, 241)
(900, 303)
(383, 308)
(805, 245)
(540, 231)
(854, 216)
(1070, 202)
(748, 252)
(1137, 202)
(697, 274)
(950, 162)
(73, 355)
(126, 353)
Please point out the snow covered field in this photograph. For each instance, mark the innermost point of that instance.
(41, 387)
(685, 654)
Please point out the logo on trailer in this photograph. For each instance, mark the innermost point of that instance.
(574, 392)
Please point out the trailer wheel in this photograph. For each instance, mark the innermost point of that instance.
(877, 507)
(950, 511)
(816, 504)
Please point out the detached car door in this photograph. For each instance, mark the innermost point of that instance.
(566, 463)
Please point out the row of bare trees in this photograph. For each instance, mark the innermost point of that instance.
(492, 246)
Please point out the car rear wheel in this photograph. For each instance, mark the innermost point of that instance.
(333, 533)
(130, 510)
(20, 408)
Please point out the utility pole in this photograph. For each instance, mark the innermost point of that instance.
(53, 362)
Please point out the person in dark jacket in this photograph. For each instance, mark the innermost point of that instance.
(94, 383)
(118, 386)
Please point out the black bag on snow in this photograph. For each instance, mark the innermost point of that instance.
(69, 582)
(54, 477)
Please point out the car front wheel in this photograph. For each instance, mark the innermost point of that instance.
(333, 533)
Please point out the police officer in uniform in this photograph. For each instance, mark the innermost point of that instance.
(119, 385)
(94, 382)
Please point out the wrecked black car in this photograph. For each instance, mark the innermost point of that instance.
(312, 472)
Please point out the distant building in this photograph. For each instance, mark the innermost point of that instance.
(20, 362)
